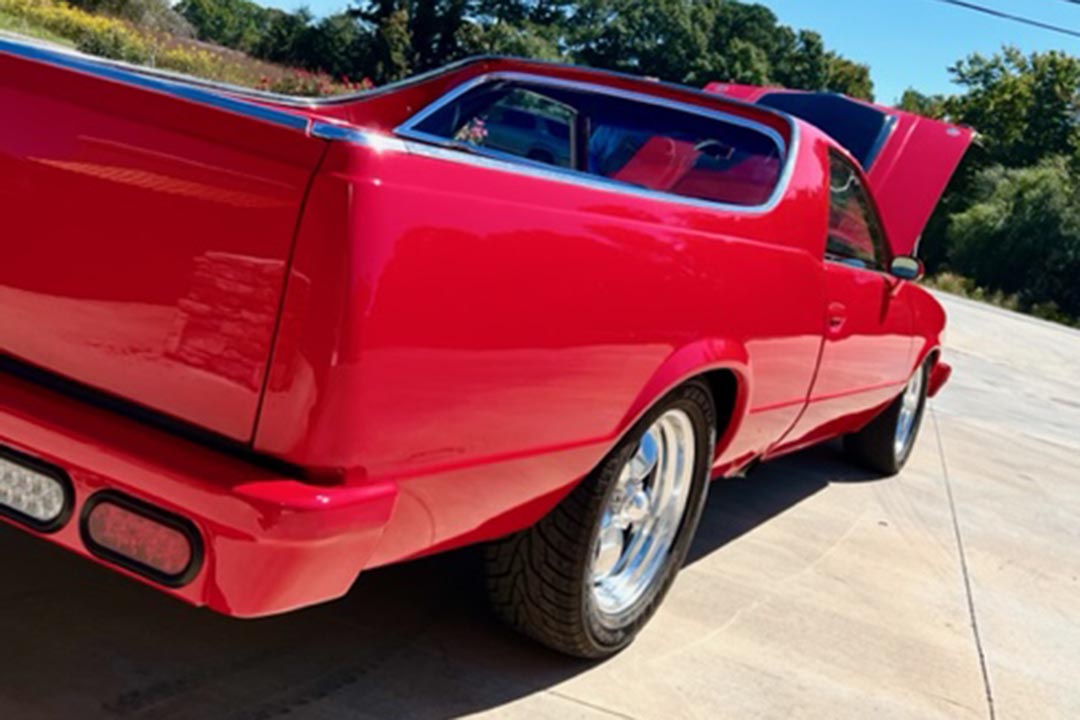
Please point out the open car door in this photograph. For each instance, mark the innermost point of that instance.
(908, 159)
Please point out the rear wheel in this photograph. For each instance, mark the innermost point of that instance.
(589, 575)
(885, 444)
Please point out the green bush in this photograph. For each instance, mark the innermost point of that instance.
(190, 61)
(156, 15)
(114, 44)
(118, 39)
(107, 37)
(1021, 236)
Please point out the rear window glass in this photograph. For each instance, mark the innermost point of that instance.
(620, 139)
(511, 120)
(682, 153)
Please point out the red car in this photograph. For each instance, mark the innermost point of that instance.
(252, 345)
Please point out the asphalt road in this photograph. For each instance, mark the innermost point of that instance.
(813, 591)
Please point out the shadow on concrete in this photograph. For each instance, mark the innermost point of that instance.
(412, 641)
(738, 505)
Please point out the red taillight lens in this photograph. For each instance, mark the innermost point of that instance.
(141, 538)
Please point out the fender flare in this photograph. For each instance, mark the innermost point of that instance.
(685, 363)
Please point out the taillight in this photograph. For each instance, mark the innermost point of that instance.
(142, 538)
(32, 492)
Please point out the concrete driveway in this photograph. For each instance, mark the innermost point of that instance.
(813, 591)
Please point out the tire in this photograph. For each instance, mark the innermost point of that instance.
(878, 446)
(541, 581)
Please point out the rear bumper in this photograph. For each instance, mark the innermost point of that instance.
(270, 543)
(939, 375)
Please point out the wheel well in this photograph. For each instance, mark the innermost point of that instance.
(724, 388)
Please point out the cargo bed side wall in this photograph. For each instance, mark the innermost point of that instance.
(144, 240)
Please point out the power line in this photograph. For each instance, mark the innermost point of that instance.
(1015, 18)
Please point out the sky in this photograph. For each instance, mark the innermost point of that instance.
(910, 43)
(907, 43)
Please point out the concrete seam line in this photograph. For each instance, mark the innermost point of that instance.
(590, 705)
(964, 568)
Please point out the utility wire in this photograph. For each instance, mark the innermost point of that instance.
(1015, 18)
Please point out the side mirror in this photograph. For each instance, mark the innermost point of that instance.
(906, 267)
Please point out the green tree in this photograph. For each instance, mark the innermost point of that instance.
(668, 39)
(422, 34)
(392, 47)
(1021, 234)
(931, 106)
(523, 28)
(522, 39)
(336, 45)
(518, 12)
(848, 77)
(745, 62)
(696, 41)
(233, 23)
(745, 45)
(284, 37)
(1026, 107)
(802, 62)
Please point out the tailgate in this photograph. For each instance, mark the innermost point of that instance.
(145, 235)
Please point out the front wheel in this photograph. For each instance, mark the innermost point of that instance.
(885, 444)
(589, 575)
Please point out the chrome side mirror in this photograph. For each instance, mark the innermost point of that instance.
(906, 267)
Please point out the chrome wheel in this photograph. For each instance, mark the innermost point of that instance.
(588, 576)
(909, 414)
(642, 516)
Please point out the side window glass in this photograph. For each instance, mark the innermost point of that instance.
(514, 120)
(855, 234)
(683, 153)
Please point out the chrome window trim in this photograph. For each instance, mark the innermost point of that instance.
(208, 93)
(595, 89)
(175, 86)
(342, 132)
(183, 87)
(449, 149)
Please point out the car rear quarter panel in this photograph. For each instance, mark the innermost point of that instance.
(484, 337)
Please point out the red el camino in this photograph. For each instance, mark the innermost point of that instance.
(253, 345)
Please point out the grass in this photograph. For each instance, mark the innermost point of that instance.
(16, 24)
(118, 39)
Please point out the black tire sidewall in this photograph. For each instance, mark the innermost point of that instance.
(874, 447)
(694, 399)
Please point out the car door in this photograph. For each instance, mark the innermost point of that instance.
(868, 325)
